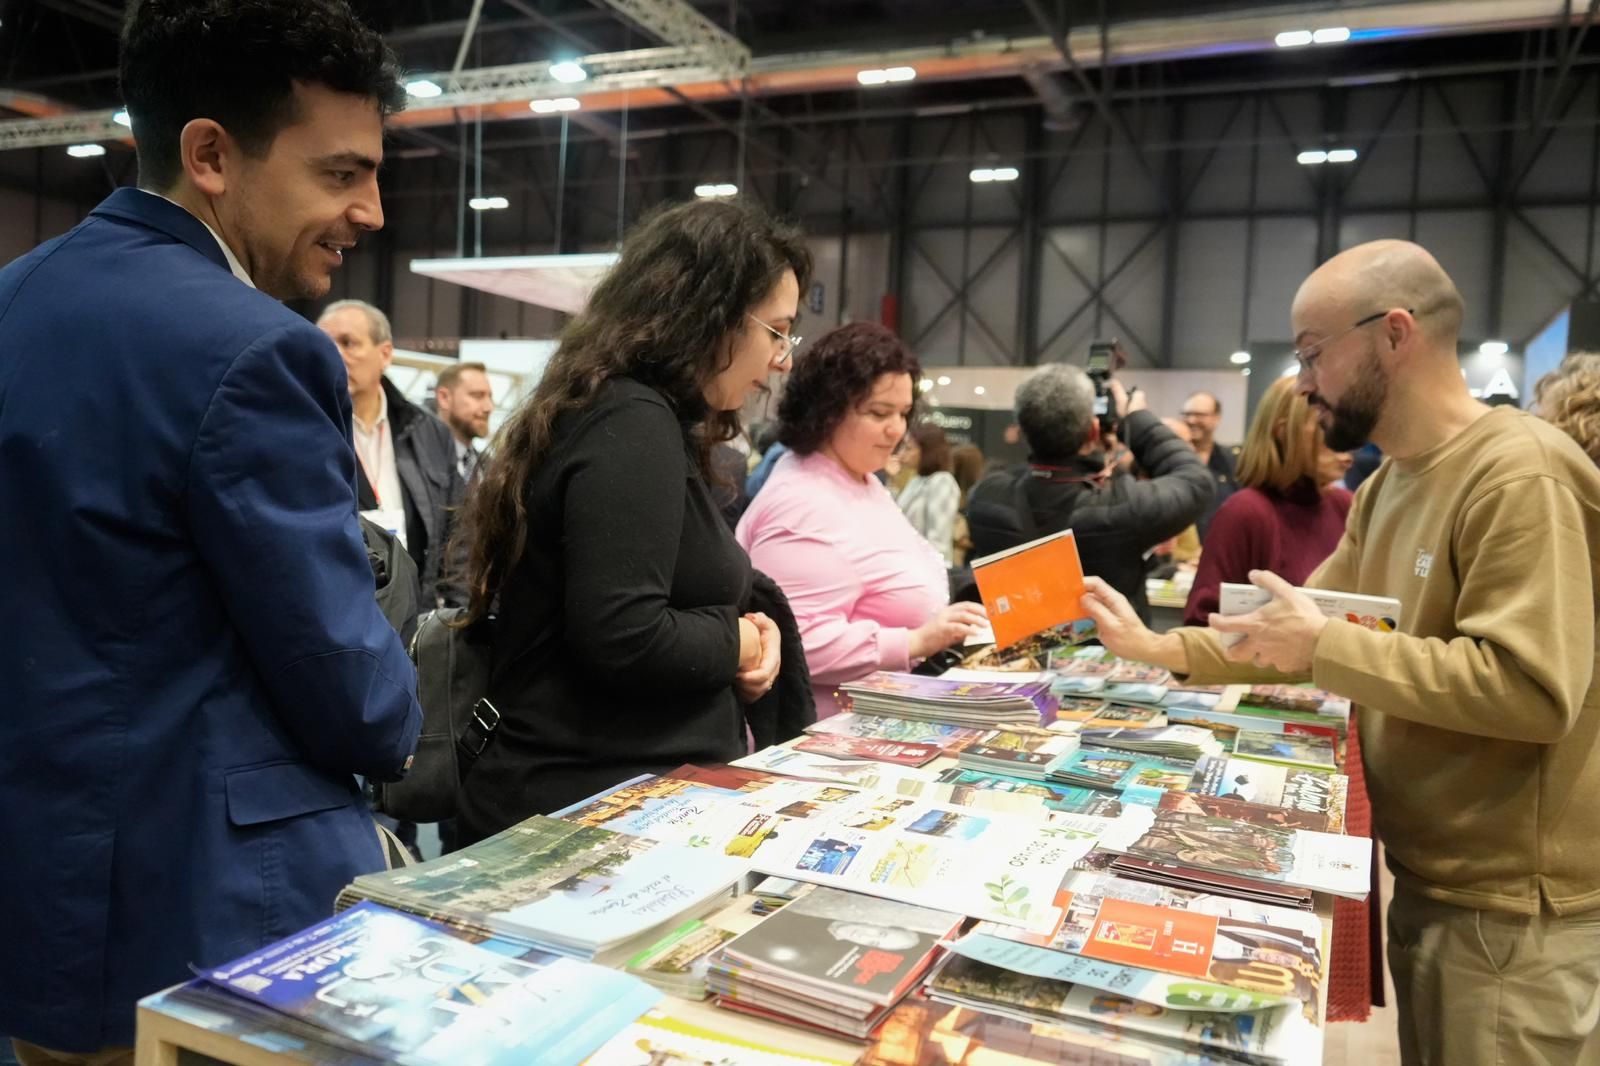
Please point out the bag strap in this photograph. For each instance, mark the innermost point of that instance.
(479, 732)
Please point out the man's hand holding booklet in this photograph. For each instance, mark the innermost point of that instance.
(1275, 624)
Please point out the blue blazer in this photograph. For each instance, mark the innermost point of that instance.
(192, 664)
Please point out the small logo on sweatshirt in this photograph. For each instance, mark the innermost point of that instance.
(1424, 562)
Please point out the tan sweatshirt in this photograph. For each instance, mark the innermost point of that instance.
(1480, 718)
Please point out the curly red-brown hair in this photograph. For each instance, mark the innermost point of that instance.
(834, 375)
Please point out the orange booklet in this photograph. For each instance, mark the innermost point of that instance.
(1032, 587)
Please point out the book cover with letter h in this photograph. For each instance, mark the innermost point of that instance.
(1032, 587)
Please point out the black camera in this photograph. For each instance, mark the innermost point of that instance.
(1105, 359)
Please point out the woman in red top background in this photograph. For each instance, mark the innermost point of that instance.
(1288, 513)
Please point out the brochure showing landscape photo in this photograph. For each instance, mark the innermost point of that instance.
(862, 773)
(1114, 771)
(938, 1034)
(965, 783)
(1260, 1034)
(998, 945)
(1322, 862)
(569, 888)
(1317, 753)
(412, 990)
(949, 738)
(985, 864)
(1270, 785)
(642, 807)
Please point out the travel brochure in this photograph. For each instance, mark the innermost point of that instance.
(1260, 1035)
(1107, 887)
(416, 991)
(949, 738)
(997, 702)
(1322, 862)
(1297, 789)
(577, 890)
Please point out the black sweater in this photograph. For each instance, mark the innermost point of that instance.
(617, 641)
(1114, 525)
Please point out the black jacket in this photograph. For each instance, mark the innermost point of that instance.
(425, 457)
(1115, 524)
(789, 706)
(617, 639)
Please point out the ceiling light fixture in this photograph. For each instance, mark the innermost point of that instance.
(423, 89)
(1311, 158)
(85, 151)
(568, 71)
(1342, 155)
(1493, 348)
(886, 76)
(1293, 38)
(1331, 35)
(988, 174)
(120, 117)
(978, 390)
(488, 203)
(925, 384)
(560, 103)
(944, 379)
(707, 192)
(1239, 358)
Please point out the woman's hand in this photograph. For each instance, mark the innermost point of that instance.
(949, 626)
(754, 680)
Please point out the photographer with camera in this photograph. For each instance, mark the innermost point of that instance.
(1070, 482)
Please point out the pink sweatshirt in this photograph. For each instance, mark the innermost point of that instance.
(857, 575)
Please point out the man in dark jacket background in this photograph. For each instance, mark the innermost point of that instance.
(1068, 482)
(408, 479)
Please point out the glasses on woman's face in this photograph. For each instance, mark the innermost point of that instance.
(790, 341)
(1309, 355)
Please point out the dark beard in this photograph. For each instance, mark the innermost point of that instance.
(1357, 413)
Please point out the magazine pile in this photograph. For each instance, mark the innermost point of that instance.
(1130, 880)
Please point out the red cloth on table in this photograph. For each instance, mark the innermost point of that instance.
(1355, 973)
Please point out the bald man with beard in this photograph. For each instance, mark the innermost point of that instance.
(1480, 717)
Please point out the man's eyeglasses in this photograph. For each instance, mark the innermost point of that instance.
(790, 341)
(1309, 355)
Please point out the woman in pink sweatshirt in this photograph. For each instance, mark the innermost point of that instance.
(869, 593)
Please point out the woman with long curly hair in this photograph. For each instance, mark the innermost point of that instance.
(1569, 398)
(622, 642)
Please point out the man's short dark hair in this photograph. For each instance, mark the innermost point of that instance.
(450, 376)
(236, 61)
(836, 374)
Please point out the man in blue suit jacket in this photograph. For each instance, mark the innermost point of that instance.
(193, 666)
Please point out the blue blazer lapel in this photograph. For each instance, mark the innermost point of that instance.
(148, 209)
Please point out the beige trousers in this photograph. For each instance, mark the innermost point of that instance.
(1486, 988)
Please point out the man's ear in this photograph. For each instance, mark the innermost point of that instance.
(206, 153)
(386, 349)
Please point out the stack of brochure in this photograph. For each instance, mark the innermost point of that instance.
(1181, 743)
(832, 960)
(988, 704)
(572, 889)
(676, 963)
(377, 983)
(1030, 754)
